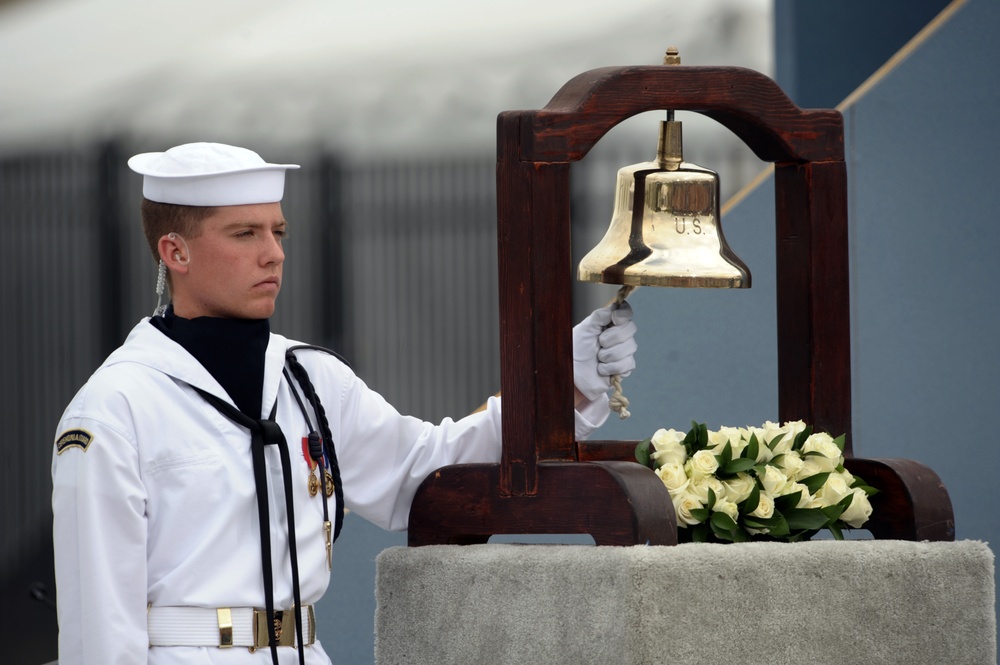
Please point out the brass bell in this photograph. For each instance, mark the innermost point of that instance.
(665, 230)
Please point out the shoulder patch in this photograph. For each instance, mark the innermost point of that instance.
(74, 438)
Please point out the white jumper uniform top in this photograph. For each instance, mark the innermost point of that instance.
(154, 497)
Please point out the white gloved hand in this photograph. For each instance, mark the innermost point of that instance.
(603, 345)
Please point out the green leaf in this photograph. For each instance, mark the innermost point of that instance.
(741, 536)
(868, 489)
(752, 449)
(835, 530)
(801, 437)
(775, 441)
(751, 502)
(642, 453)
(787, 501)
(815, 482)
(805, 518)
(735, 466)
(702, 436)
(846, 502)
(711, 498)
(833, 513)
(691, 439)
(841, 441)
(726, 456)
(722, 533)
(762, 523)
(700, 514)
(699, 533)
(723, 521)
(780, 528)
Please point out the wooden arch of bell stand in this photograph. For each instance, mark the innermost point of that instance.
(546, 482)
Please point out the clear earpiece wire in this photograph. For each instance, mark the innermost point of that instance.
(161, 279)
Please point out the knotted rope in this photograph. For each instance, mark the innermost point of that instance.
(619, 403)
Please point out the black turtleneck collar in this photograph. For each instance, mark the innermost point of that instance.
(232, 350)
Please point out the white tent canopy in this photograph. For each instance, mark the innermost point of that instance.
(356, 76)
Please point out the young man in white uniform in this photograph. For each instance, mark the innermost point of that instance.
(160, 505)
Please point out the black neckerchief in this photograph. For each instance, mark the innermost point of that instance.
(232, 350)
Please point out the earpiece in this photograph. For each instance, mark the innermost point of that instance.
(178, 255)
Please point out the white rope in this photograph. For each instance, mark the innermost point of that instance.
(618, 402)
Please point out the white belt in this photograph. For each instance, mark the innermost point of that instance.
(226, 627)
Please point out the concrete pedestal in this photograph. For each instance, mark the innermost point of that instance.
(847, 602)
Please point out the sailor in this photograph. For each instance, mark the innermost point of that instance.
(201, 473)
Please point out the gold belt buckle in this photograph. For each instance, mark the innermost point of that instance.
(284, 629)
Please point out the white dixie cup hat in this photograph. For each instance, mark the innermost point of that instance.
(209, 174)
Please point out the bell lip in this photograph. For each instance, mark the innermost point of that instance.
(741, 281)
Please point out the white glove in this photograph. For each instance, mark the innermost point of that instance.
(603, 345)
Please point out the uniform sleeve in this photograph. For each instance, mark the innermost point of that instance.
(384, 456)
(99, 530)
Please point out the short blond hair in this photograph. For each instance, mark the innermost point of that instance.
(159, 219)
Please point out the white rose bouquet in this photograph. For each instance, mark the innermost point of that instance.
(775, 482)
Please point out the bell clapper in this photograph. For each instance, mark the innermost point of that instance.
(619, 403)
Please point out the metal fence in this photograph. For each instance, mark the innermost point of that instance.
(391, 262)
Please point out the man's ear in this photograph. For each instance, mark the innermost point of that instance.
(174, 252)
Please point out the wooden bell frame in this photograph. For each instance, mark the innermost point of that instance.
(548, 483)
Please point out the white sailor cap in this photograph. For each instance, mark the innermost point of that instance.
(209, 174)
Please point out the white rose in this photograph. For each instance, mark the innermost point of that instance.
(738, 489)
(819, 463)
(811, 466)
(747, 432)
(727, 507)
(703, 463)
(701, 486)
(684, 503)
(736, 439)
(673, 476)
(773, 480)
(792, 464)
(859, 511)
(765, 508)
(793, 428)
(668, 446)
(774, 431)
(804, 496)
(833, 490)
(814, 502)
(822, 443)
(718, 440)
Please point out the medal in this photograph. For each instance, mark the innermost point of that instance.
(313, 480)
(329, 484)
